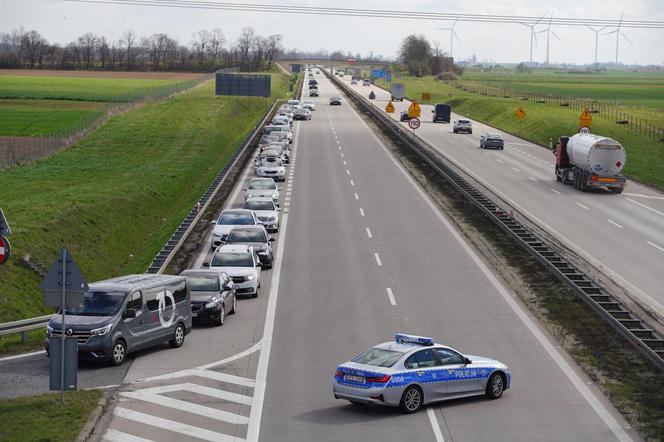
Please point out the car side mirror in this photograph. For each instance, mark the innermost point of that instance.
(129, 313)
(214, 221)
(467, 361)
(271, 239)
(206, 264)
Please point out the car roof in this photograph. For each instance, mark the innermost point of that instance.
(493, 134)
(236, 212)
(129, 282)
(235, 248)
(260, 198)
(254, 227)
(261, 179)
(406, 347)
(201, 272)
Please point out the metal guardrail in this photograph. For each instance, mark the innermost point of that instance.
(24, 326)
(614, 312)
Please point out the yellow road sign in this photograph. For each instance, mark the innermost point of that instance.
(389, 108)
(414, 110)
(586, 118)
(520, 113)
(426, 96)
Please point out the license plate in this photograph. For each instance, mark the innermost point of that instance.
(193, 315)
(354, 378)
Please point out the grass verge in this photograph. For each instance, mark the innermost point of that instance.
(31, 118)
(43, 418)
(543, 123)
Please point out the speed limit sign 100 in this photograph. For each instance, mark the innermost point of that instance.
(414, 123)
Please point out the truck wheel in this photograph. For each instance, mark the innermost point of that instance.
(616, 190)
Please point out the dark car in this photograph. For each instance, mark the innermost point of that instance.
(442, 112)
(257, 237)
(404, 116)
(492, 140)
(335, 101)
(212, 295)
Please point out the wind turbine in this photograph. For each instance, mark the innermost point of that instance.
(619, 33)
(548, 36)
(453, 35)
(596, 31)
(532, 35)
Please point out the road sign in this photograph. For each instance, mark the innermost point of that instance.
(388, 78)
(414, 123)
(5, 250)
(378, 73)
(64, 274)
(372, 96)
(584, 130)
(520, 113)
(414, 110)
(389, 108)
(426, 96)
(4, 225)
(586, 118)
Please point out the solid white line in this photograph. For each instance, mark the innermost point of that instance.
(118, 436)
(23, 355)
(391, 296)
(581, 205)
(378, 261)
(515, 169)
(640, 195)
(369, 233)
(361, 211)
(357, 197)
(655, 246)
(352, 183)
(615, 224)
(194, 388)
(224, 377)
(268, 329)
(177, 427)
(574, 378)
(555, 191)
(434, 425)
(645, 207)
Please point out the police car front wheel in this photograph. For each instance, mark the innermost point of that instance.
(411, 400)
(495, 386)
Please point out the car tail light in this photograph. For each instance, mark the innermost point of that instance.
(338, 373)
(379, 379)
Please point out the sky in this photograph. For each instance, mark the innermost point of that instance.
(61, 22)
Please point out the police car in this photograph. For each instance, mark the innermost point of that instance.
(412, 371)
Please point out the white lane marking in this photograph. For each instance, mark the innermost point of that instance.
(515, 169)
(347, 172)
(103, 387)
(357, 197)
(268, 329)
(339, 147)
(640, 195)
(434, 425)
(532, 179)
(378, 261)
(286, 210)
(615, 223)
(345, 163)
(555, 191)
(338, 142)
(487, 154)
(342, 155)
(119, 436)
(26, 355)
(286, 204)
(361, 211)
(500, 161)
(581, 205)
(573, 377)
(661, 249)
(645, 207)
(287, 199)
(177, 427)
(390, 295)
(194, 388)
(352, 183)
(369, 233)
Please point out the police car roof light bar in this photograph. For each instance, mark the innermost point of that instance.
(412, 339)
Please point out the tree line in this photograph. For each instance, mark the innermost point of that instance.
(421, 57)
(207, 51)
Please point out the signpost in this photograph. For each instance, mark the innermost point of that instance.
(388, 78)
(414, 110)
(586, 118)
(66, 282)
(389, 108)
(4, 226)
(372, 96)
(520, 114)
(414, 123)
(426, 96)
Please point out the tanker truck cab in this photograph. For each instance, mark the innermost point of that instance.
(590, 161)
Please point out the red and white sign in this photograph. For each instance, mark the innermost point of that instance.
(5, 250)
(584, 130)
(414, 123)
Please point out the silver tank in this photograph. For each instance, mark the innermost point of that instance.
(596, 154)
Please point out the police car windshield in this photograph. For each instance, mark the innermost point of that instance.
(203, 283)
(98, 304)
(232, 260)
(378, 357)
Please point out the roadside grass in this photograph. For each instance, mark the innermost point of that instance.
(114, 198)
(74, 88)
(43, 117)
(43, 418)
(543, 123)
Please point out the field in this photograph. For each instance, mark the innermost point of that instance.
(114, 198)
(43, 117)
(543, 122)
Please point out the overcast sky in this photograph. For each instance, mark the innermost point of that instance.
(62, 22)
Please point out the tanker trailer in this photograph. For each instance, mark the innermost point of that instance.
(590, 161)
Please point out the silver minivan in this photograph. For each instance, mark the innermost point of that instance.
(121, 315)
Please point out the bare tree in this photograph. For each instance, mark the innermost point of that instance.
(32, 45)
(129, 41)
(244, 44)
(104, 52)
(217, 42)
(273, 48)
(88, 44)
(200, 42)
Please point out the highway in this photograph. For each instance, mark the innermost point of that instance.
(362, 254)
(620, 235)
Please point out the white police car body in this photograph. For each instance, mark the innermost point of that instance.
(412, 371)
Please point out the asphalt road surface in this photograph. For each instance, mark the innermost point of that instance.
(622, 235)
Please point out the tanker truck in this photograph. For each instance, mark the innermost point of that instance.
(590, 161)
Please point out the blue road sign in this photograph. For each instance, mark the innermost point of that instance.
(377, 73)
(388, 78)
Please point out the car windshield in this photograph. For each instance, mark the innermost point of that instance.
(262, 185)
(232, 260)
(240, 219)
(97, 303)
(203, 283)
(271, 162)
(378, 357)
(495, 136)
(259, 205)
(253, 235)
(464, 122)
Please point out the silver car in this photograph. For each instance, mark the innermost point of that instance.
(262, 187)
(412, 371)
(266, 211)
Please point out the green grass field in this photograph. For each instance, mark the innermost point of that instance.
(114, 198)
(43, 117)
(645, 157)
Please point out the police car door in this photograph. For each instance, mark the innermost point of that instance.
(424, 369)
(459, 379)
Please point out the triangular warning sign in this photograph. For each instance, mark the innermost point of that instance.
(389, 108)
(414, 110)
(74, 281)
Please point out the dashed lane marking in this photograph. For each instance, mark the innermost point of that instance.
(555, 191)
(378, 261)
(357, 197)
(615, 223)
(361, 211)
(661, 249)
(390, 295)
(582, 206)
(369, 233)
